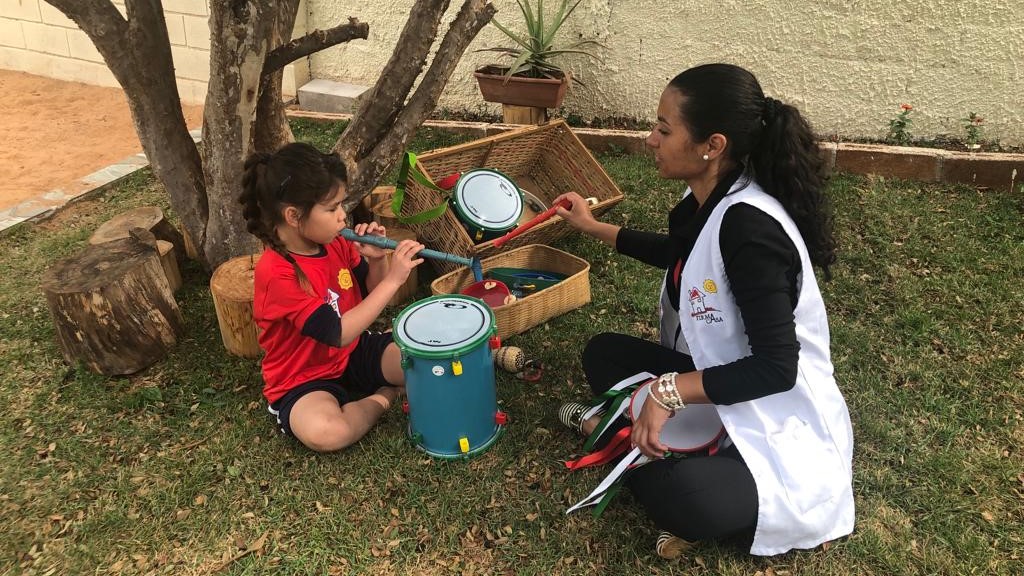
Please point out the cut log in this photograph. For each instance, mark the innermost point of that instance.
(112, 306)
(170, 264)
(408, 290)
(148, 217)
(232, 290)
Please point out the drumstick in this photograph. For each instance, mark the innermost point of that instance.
(389, 244)
(532, 222)
(537, 220)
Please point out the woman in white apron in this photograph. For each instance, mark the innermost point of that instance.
(743, 325)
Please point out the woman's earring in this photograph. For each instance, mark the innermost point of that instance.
(706, 157)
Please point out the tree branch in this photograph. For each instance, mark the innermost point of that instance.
(474, 15)
(388, 94)
(315, 41)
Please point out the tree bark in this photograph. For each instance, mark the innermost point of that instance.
(138, 53)
(239, 43)
(272, 129)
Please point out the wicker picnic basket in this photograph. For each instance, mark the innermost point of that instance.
(536, 308)
(545, 160)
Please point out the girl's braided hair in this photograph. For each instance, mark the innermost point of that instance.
(297, 175)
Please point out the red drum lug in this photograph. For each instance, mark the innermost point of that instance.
(405, 406)
(500, 418)
(495, 342)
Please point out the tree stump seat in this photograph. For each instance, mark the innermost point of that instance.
(112, 306)
(232, 289)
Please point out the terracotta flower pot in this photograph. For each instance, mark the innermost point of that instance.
(520, 91)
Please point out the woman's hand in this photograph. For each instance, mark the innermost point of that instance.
(366, 250)
(403, 260)
(579, 216)
(646, 434)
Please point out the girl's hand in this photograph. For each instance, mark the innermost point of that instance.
(579, 216)
(404, 259)
(646, 434)
(367, 251)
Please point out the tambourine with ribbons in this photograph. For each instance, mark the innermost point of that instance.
(696, 428)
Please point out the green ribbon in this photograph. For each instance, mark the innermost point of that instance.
(615, 398)
(409, 169)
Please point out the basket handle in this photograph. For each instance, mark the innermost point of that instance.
(408, 170)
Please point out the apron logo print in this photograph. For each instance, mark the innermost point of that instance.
(700, 307)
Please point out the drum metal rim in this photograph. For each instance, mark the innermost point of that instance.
(469, 218)
(410, 349)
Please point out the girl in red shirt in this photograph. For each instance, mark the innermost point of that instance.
(326, 378)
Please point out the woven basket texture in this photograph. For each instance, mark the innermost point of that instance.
(546, 160)
(539, 307)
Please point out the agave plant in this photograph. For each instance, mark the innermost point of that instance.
(531, 57)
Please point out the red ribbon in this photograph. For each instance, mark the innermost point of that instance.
(618, 446)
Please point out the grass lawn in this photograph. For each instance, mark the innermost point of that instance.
(178, 469)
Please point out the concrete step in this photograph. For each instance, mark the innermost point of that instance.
(329, 96)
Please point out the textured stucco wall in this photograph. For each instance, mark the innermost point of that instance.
(848, 64)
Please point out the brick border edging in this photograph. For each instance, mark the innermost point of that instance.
(981, 169)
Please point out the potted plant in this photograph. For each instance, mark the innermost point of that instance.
(532, 79)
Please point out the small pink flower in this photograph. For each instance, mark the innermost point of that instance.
(978, 120)
(906, 107)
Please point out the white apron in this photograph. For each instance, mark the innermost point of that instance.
(798, 444)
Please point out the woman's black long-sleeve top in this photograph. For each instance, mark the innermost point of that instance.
(762, 265)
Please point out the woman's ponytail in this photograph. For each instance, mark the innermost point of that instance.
(788, 165)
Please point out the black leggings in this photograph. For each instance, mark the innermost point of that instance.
(695, 498)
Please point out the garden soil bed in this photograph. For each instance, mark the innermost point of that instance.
(54, 132)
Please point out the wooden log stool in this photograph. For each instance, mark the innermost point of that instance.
(112, 306)
(149, 217)
(169, 262)
(232, 289)
(408, 290)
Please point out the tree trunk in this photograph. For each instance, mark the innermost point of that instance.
(243, 110)
(112, 306)
(138, 53)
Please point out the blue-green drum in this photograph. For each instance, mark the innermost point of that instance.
(446, 346)
(488, 203)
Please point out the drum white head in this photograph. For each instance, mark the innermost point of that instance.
(444, 325)
(488, 199)
(693, 428)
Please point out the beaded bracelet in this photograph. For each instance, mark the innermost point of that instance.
(669, 393)
(655, 399)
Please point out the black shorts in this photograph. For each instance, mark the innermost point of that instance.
(362, 377)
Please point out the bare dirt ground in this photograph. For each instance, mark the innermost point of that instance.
(54, 132)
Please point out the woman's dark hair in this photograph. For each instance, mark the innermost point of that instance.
(297, 175)
(772, 138)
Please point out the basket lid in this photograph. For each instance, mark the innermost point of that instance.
(443, 326)
(488, 199)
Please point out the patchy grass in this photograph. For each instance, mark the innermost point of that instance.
(178, 469)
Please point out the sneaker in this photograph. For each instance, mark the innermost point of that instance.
(670, 546)
(570, 415)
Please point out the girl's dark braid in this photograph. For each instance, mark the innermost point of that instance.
(258, 221)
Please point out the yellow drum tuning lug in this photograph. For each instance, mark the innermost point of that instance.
(457, 367)
(464, 445)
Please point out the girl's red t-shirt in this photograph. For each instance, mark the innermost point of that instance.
(281, 308)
